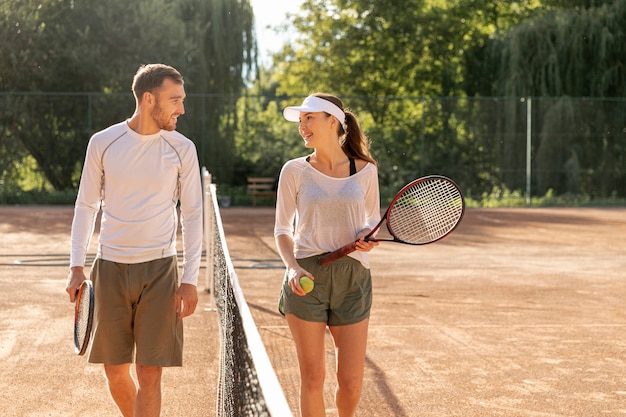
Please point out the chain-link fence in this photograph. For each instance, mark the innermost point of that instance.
(530, 147)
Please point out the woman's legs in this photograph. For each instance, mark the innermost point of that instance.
(350, 346)
(309, 339)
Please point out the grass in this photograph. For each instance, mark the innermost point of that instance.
(240, 197)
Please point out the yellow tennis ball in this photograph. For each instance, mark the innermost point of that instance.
(307, 284)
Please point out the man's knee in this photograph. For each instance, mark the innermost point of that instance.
(117, 373)
(149, 376)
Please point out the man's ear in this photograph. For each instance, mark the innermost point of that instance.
(148, 98)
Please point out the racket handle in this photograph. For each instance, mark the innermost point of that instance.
(339, 253)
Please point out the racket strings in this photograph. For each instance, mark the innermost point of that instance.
(82, 318)
(426, 211)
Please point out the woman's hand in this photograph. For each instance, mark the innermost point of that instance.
(365, 245)
(294, 280)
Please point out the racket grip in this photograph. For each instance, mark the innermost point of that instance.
(339, 253)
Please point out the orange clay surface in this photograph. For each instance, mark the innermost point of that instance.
(520, 312)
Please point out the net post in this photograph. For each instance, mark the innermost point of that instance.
(529, 142)
(208, 223)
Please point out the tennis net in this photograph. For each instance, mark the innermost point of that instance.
(247, 383)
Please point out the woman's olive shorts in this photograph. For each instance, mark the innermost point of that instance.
(342, 294)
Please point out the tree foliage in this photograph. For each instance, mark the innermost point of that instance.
(376, 53)
(576, 52)
(82, 46)
(564, 53)
(398, 62)
(441, 86)
(390, 47)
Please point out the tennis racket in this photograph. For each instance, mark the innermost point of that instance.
(424, 211)
(83, 316)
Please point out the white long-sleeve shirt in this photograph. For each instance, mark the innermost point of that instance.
(322, 213)
(137, 181)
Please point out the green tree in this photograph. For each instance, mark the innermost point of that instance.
(574, 52)
(387, 48)
(404, 65)
(219, 57)
(47, 50)
(388, 59)
(79, 46)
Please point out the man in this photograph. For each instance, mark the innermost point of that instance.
(136, 172)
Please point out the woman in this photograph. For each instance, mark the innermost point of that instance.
(326, 200)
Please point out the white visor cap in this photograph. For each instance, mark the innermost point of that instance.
(313, 104)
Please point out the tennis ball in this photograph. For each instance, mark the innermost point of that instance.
(307, 284)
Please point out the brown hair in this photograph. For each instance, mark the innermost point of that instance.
(150, 77)
(354, 142)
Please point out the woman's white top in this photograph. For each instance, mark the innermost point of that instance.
(322, 213)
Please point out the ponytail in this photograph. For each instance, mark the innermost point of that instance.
(353, 142)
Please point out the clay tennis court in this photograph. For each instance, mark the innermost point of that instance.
(520, 312)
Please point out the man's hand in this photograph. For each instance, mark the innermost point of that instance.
(186, 300)
(74, 279)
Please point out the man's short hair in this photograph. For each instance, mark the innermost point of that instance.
(150, 77)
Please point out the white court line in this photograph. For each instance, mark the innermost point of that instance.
(477, 326)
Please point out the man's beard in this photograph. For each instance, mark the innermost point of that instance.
(162, 120)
